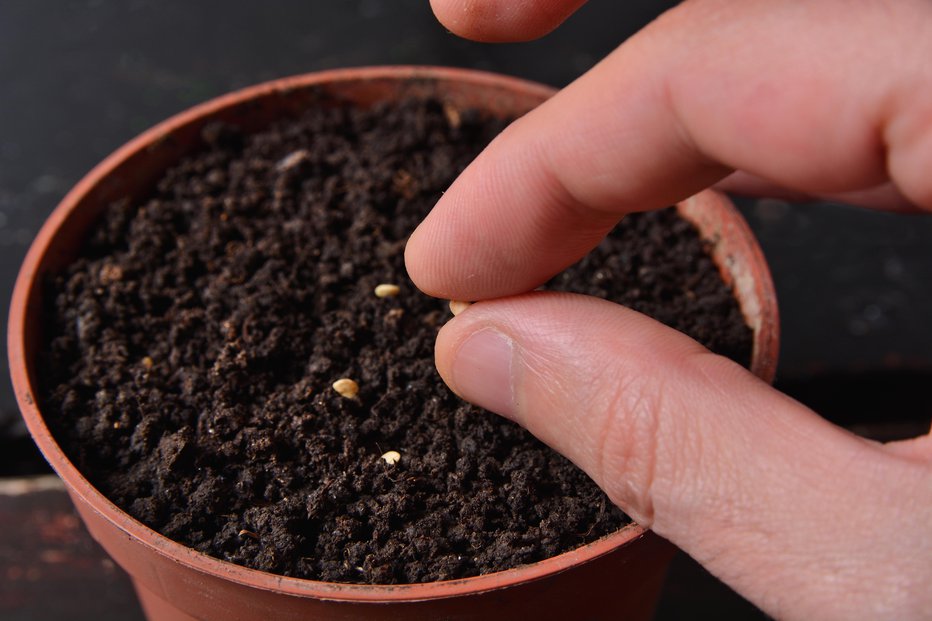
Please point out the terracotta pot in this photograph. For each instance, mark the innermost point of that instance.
(617, 577)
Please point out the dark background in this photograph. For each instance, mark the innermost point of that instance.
(78, 79)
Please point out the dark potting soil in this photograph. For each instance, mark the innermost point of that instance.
(191, 349)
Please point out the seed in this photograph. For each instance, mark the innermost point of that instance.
(248, 533)
(457, 307)
(453, 115)
(346, 387)
(292, 160)
(148, 362)
(386, 290)
(391, 457)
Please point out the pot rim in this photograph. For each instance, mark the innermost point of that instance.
(177, 552)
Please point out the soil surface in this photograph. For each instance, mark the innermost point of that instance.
(191, 350)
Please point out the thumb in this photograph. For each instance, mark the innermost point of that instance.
(764, 493)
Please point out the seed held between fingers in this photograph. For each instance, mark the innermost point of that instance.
(391, 457)
(387, 290)
(457, 306)
(346, 387)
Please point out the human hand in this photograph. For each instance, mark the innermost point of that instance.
(827, 98)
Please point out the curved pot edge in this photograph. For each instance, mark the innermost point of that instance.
(751, 281)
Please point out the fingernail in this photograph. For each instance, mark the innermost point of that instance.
(482, 371)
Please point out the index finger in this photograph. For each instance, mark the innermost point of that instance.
(503, 20)
(710, 87)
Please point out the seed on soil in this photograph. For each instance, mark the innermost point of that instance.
(390, 457)
(293, 159)
(386, 290)
(147, 362)
(453, 115)
(248, 533)
(346, 387)
(457, 307)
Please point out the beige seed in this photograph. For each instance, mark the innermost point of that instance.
(293, 160)
(346, 387)
(391, 457)
(148, 362)
(248, 533)
(453, 115)
(386, 290)
(457, 306)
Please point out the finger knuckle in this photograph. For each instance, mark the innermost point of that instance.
(628, 443)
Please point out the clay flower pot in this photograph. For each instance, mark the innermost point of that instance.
(616, 577)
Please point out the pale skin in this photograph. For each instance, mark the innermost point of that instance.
(829, 98)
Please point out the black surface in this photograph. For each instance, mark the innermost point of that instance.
(854, 286)
(81, 78)
(51, 568)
